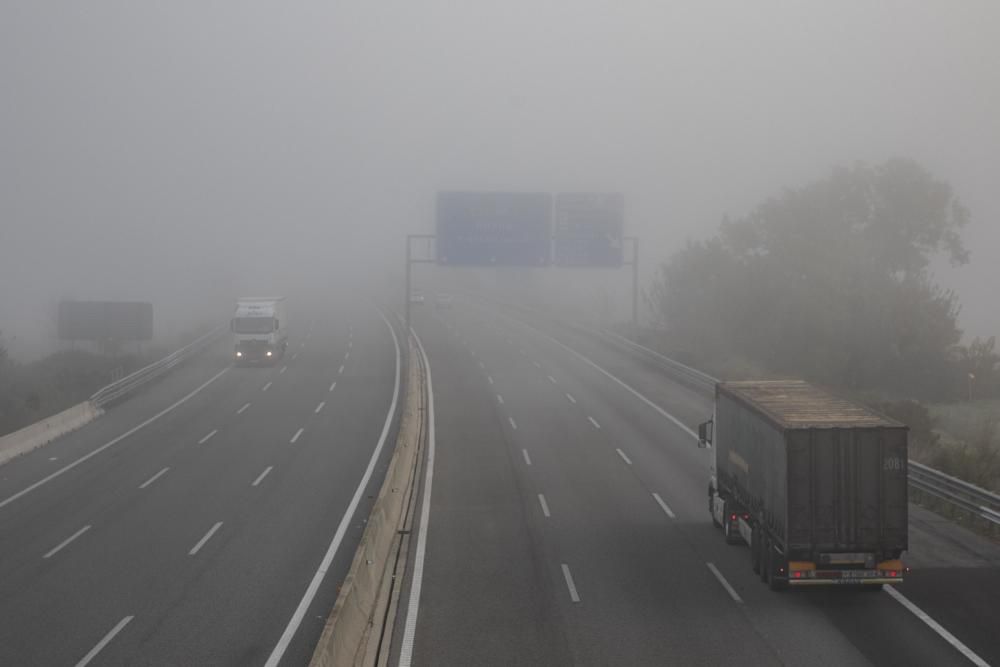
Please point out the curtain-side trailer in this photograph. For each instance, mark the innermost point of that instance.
(814, 484)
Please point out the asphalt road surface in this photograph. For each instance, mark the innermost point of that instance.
(568, 525)
(193, 540)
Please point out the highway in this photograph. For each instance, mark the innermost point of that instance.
(568, 525)
(186, 526)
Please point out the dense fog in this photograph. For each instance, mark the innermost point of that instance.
(186, 153)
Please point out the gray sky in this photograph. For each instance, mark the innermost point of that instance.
(187, 152)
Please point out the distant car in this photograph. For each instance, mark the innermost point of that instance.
(416, 297)
(444, 300)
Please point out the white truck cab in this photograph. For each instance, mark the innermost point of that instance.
(260, 329)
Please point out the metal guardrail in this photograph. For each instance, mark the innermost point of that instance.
(129, 383)
(969, 497)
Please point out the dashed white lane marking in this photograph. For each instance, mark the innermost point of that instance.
(53, 458)
(527, 459)
(266, 387)
(666, 415)
(347, 356)
(624, 458)
(523, 353)
(936, 627)
(85, 457)
(211, 531)
(104, 642)
(350, 344)
(296, 436)
(573, 595)
(333, 386)
(482, 365)
(208, 437)
(154, 478)
(65, 542)
(725, 584)
(340, 370)
(283, 369)
(593, 422)
(545, 505)
(663, 505)
(513, 424)
(243, 409)
(489, 379)
(552, 379)
(536, 364)
(262, 476)
(571, 399)
(319, 408)
(295, 356)
(302, 345)
(500, 399)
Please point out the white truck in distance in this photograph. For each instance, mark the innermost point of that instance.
(260, 329)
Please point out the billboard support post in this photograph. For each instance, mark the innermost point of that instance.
(635, 282)
(409, 268)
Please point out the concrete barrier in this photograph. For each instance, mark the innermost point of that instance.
(354, 630)
(47, 430)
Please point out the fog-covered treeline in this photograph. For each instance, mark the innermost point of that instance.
(831, 281)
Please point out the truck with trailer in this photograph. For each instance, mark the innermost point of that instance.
(260, 329)
(814, 484)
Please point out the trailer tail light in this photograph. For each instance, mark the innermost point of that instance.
(797, 574)
(893, 573)
(746, 516)
(732, 517)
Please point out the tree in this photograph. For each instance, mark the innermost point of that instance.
(828, 281)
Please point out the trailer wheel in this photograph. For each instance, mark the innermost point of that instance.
(755, 550)
(765, 563)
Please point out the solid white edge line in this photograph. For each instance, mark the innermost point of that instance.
(211, 531)
(115, 441)
(416, 585)
(527, 459)
(594, 422)
(573, 595)
(266, 386)
(296, 436)
(725, 584)
(331, 552)
(662, 504)
(545, 505)
(513, 424)
(154, 478)
(936, 627)
(208, 437)
(69, 539)
(262, 476)
(663, 413)
(319, 408)
(624, 458)
(243, 409)
(104, 642)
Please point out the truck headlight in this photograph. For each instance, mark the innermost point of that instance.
(239, 354)
(269, 353)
